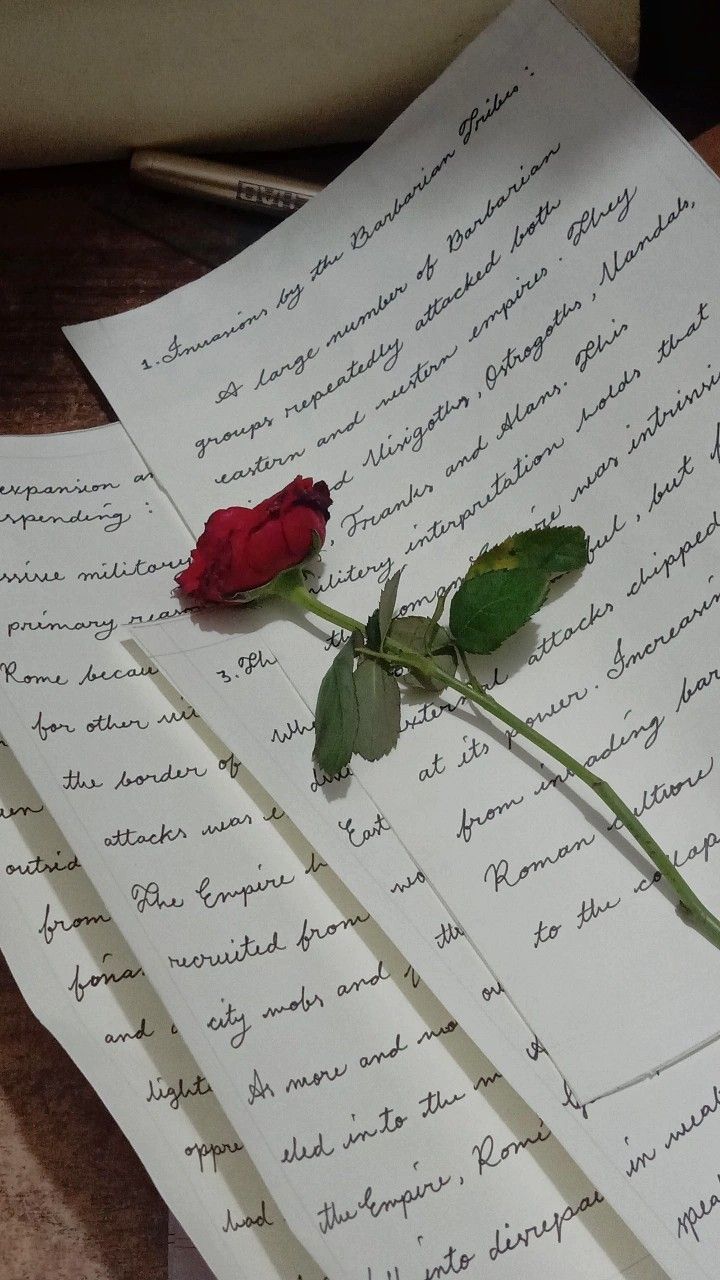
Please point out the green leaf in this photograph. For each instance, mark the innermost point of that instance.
(447, 662)
(378, 702)
(336, 713)
(386, 608)
(421, 634)
(552, 551)
(373, 638)
(488, 608)
(439, 605)
(426, 637)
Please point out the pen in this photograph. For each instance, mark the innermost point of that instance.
(226, 183)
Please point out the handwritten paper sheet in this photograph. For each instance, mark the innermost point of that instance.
(505, 314)
(386, 1139)
(54, 933)
(650, 1146)
(61, 945)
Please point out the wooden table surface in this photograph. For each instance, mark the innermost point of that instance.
(75, 244)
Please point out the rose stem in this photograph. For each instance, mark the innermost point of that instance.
(708, 924)
(300, 595)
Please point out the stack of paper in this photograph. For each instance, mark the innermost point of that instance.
(435, 1017)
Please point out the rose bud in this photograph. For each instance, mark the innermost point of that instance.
(242, 548)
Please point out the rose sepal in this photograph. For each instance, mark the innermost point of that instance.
(283, 585)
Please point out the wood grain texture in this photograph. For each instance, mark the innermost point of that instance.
(75, 1202)
(81, 242)
(62, 261)
(708, 146)
(78, 243)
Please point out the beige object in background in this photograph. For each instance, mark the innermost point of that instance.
(92, 79)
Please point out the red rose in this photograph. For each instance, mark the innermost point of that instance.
(244, 547)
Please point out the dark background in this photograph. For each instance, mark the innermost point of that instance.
(679, 67)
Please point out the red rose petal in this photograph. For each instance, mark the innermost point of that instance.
(244, 547)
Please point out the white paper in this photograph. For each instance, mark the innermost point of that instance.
(361, 1102)
(651, 1147)
(505, 314)
(121, 1038)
